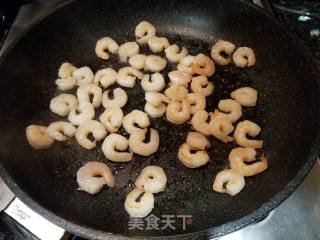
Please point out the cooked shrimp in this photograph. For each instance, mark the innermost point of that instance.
(179, 77)
(176, 92)
(66, 69)
(38, 137)
(115, 148)
(106, 77)
(91, 126)
(192, 160)
(85, 91)
(82, 113)
(239, 157)
(221, 126)
(127, 77)
(156, 84)
(185, 64)
(127, 50)
(247, 128)
(225, 47)
(246, 96)
(173, 54)
(199, 122)
(152, 179)
(112, 118)
(83, 75)
(155, 112)
(137, 61)
(202, 86)
(231, 107)
(234, 182)
(144, 31)
(157, 44)
(135, 117)
(203, 65)
(120, 98)
(63, 104)
(197, 102)
(105, 44)
(61, 130)
(197, 141)
(155, 63)
(137, 144)
(156, 99)
(93, 175)
(178, 112)
(65, 84)
(141, 208)
(244, 57)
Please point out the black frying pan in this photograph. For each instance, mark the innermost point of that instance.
(287, 111)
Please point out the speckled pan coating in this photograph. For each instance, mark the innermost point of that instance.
(287, 111)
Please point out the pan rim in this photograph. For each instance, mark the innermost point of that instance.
(217, 231)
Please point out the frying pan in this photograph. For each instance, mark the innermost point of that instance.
(288, 112)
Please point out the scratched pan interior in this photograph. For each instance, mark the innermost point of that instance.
(287, 111)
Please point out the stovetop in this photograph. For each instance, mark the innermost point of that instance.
(296, 218)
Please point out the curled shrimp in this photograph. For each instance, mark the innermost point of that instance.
(137, 61)
(93, 175)
(244, 57)
(199, 122)
(144, 31)
(178, 112)
(38, 137)
(115, 148)
(240, 161)
(246, 96)
(203, 65)
(63, 104)
(61, 130)
(155, 112)
(231, 107)
(66, 69)
(137, 144)
(85, 91)
(157, 44)
(225, 47)
(106, 77)
(152, 178)
(173, 54)
(197, 102)
(135, 117)
(192, 160)
(185, 64)
(155, 63)
(234, 182)
(155, 84)
(141, 208)
(221, 126)
(156, 99)
(179, 77)
(95, 128)
(201, 85)
(127, 77)
(176, 92)
(197, 141)
(65, 84)
(83, 75)
(128, 49)
(111, 119)
(82, 113)
(104, 44)
(247, 128)
(120, 98)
